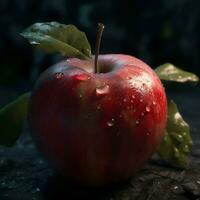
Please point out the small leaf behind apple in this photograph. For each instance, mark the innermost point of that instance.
(176, 144)
(12, 117)
(168, 72)
(54, 37)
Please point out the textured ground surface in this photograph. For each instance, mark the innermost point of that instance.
(25, 176)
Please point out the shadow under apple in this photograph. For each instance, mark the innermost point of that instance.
(57, 187)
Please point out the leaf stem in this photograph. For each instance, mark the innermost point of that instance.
(98, 42)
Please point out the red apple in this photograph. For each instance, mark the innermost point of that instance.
(98, 128)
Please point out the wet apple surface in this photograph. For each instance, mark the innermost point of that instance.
(23, 169)
(98, 128)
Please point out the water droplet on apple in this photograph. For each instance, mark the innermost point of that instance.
(148, 133)
(141, 100)
(133, 96)
(81, 77)
(103, 90)
(137, 122)
(110, 123)
(80, 96)
(142, 114)
(125, 100)
(154, 103)
(132, 101)
(98, 107)
(59, 75)
(147, 108)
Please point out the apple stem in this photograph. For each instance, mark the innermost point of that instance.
(98, 42)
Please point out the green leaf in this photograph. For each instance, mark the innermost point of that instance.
(54, 37)
(12, 117)
(176, 144)
(169, 72)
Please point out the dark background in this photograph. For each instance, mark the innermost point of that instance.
(155, 31)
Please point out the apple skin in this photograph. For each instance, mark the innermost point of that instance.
(98, 128)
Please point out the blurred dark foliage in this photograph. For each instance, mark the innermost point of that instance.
(156, 31)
